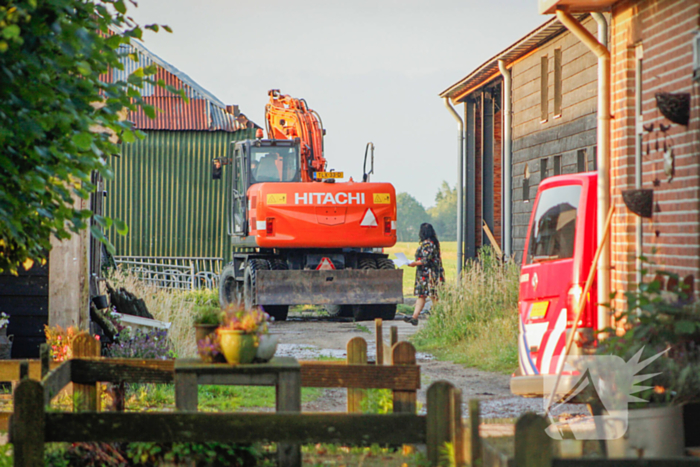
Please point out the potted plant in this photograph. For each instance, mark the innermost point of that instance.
(240, 332)
(206, 319)
(663, 326)
(5, 340)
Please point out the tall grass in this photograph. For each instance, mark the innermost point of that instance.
(475, 321)
(175, 307)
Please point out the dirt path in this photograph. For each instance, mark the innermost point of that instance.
(306, 337)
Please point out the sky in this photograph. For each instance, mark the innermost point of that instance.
(373, 70)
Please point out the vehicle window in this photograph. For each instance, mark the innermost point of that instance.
(554, 228)
(277, 164)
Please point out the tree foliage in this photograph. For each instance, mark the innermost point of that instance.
(444, 213)
(443, 216)
(57, 116)
(410, 215)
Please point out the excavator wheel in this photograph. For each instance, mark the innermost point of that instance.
(338, 311)
(370, 312)
(252, 266)
(230, 290)
(279, 312)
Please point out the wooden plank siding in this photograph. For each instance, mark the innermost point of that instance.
(540, 134)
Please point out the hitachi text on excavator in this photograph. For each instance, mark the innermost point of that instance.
(299, 236)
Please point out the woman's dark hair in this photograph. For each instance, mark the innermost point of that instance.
(428, 232)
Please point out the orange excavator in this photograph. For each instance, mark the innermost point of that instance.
(298, 235)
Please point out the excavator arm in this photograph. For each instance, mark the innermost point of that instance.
(289, 118)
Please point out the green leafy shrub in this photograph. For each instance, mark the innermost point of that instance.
(201, 454)
(658, 321)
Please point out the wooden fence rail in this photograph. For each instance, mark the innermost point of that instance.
(31, 426)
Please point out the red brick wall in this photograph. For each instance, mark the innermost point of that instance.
(666, 29)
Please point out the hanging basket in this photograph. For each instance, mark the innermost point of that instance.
(675, 107)
(640, 202)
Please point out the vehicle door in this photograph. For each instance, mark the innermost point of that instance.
(237, 225)
(547, 275)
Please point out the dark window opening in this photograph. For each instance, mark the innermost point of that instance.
(544, 88)
(526, 184)
(557, 165)
(581, 162)
(543, 168)
(554, 226)
(557, 83)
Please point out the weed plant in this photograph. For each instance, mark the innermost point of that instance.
(171, 306)
(475, 321)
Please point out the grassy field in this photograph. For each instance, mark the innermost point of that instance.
(449, 261)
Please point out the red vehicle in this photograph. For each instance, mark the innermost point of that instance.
(558, 254)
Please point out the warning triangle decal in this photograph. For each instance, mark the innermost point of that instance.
(325, 265)
(369, 219)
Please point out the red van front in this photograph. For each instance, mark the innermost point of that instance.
(558, 253)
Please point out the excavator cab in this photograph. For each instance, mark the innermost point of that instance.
(259, 161)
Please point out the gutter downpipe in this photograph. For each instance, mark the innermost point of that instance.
(603, 161)
(507, 158)
(460, 182)
(639, 134)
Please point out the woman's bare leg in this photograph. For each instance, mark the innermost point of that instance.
(420, 303)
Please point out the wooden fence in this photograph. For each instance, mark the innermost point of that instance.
(32, 426)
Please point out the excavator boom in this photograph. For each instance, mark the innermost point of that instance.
(287, 117)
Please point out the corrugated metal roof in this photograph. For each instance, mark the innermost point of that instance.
(489, 69)
(203, 112)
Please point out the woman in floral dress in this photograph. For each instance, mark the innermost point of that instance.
(429, 270)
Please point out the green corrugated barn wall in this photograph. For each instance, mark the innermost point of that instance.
(163, 190)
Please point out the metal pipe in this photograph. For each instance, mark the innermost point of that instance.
(638, 245)
(507, 158)
(602, 28)
(460, 182)
(603, 161)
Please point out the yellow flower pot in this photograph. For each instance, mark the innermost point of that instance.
(237, 346)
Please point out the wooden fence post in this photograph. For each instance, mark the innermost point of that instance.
(456, 430)
(474, 438)
(394, 337)
(533, 447)
(380, 341)
(28, 424)
(23, 370)
(439, 422)
(403, 353)
(45, 356)
(85, 396)
(357, 355)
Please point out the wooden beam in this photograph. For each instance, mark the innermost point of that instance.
(379, 341)
(28, 429)
(357, 355)
(403, 356)
(56, 380)
(339, 375)
(85, 395)
(355, 429)
(117, 370)
(9, 369)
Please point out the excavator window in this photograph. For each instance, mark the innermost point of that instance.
(276, 164)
